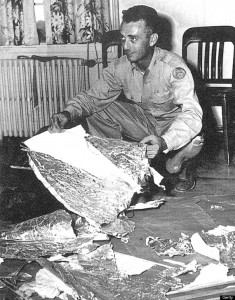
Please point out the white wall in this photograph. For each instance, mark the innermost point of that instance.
(183, 14)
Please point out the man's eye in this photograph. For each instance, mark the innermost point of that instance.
(134, 39)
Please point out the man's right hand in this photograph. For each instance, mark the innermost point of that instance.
(155, 145)
(59, 121)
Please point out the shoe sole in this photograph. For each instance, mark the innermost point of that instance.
(191, 188)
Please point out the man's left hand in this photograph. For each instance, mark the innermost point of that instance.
(156, 144)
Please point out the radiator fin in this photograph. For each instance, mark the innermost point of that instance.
(32, 90)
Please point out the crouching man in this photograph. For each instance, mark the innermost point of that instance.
(146, 96)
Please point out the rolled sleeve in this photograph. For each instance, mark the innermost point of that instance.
(97, 98)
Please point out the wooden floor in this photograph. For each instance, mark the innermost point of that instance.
(209, 204)
(22, 196)
(214, 178)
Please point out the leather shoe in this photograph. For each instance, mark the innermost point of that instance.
(185, 185)
(187, 178)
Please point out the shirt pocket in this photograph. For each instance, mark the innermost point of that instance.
(160, 97)
(164, 101)
(160, 92)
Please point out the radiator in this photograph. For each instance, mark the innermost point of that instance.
(32, 90)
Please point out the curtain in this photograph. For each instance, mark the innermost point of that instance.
(18, 23)
(78, 21)
(67, 21)
(30, 27)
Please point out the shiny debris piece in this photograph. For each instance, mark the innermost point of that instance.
(55, 226)
(119, 228)
(168, 247)
(226, 245)
(46, 235)
(128, 156)
(98, 200)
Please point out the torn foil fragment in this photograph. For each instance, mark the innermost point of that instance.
(93, 177)
(210, 274)
(46, 285)
(99, 274)
(95, 275)
(46, 235)
(72, 148)
(147, 205)
(202, 248)
(55, 226)
(130, 265)
(130, 157)
(98, 200)
(223, 239)
(119, 228)
(168, 247)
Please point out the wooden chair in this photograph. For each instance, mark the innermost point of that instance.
(216, 88)
(111, 38)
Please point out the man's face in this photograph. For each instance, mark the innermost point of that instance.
(135, 40)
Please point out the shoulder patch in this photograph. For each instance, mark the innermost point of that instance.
(179, 73)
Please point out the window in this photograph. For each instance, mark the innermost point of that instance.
(56, 21)
(40, 20)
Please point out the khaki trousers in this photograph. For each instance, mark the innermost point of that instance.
(127, 120)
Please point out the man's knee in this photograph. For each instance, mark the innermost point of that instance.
(41, 130)
(189, 151)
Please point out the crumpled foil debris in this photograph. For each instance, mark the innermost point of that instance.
(168, 247)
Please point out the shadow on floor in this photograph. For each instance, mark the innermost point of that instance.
(23, 196)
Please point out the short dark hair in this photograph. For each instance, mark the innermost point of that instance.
(142, 12)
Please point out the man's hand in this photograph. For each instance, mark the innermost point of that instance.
(59, 121)
(155, 144)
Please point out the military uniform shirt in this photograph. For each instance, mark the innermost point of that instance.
(166, 90)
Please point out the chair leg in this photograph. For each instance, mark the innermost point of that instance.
(225, 115)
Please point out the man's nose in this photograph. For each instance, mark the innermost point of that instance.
(126, 45)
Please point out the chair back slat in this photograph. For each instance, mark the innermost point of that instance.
(214, 81)
(200, 57)
(207, 60)
(220, 60)
(213, 60)
(210, 42)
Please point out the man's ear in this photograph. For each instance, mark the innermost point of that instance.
(153, 39)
